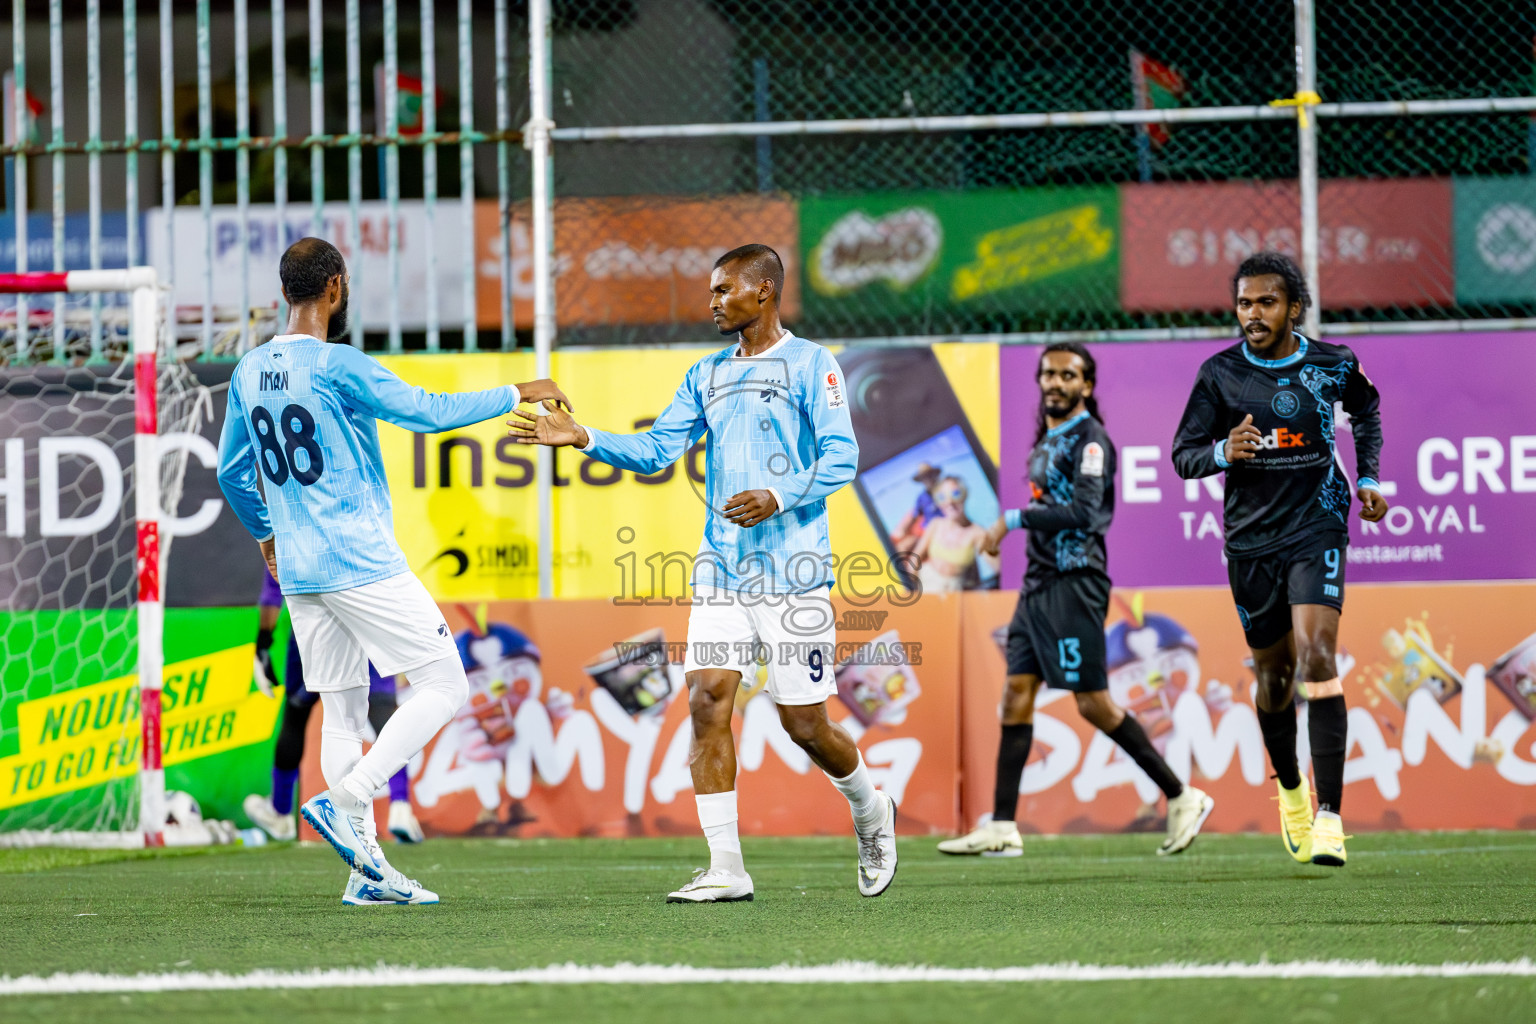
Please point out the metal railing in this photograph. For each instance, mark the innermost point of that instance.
(322, 137)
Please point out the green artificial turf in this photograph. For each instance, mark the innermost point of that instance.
(1404, 898)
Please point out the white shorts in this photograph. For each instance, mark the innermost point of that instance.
(393, 623)
(794, 633)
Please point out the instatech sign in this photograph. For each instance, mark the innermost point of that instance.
(992, 250)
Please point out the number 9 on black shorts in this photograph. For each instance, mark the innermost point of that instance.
(1309, 571)
(1057, 633)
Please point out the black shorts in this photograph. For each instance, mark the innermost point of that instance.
(1309, 571)
(1057, 633)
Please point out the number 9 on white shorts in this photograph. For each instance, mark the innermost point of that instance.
(795, 634)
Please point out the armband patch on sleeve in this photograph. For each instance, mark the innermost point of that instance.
(835, 398)
(1093, 459)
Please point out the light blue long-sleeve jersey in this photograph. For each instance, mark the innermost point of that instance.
(306, 412)
(776, 421)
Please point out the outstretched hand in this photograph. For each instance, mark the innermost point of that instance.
(553, 427)
(544, 390)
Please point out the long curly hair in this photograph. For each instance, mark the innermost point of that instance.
(1283, 267)
(1090, 374)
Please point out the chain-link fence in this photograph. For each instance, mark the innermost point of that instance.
(927, 169)
(901, 230)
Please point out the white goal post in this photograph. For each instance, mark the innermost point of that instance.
(142, 286)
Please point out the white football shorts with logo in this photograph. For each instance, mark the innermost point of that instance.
(795, 632)
(393, 623)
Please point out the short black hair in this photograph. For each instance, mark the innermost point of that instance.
(760, 260)
(308, 266)
(1283, 267)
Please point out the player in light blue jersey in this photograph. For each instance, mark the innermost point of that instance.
(775, 412)
(301, 422)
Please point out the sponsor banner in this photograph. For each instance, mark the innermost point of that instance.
(266, 240)
(465, 501)
(993, 250)
(1458, 465)
(1495, 240)
(57, 749)
(1183, 241)
(634, 259)
(577, 724)
(66, 446)
(1439, 681)
(77, 244)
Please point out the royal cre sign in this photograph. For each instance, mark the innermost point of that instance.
(1458, 465)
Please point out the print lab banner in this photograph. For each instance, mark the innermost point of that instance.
(266, 240)
(1183, 241)
(1440, 681)
(577, 724)
(1458, 464)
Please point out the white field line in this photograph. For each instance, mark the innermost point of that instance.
(843, 973)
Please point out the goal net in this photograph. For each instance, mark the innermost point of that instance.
(86, 473)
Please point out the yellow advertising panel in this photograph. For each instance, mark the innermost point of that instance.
(90, 735)
(466, 508)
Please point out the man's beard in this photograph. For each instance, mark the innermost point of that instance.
(336, 326)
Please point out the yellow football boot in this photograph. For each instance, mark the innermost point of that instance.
(1296, 821)
(1328, 841)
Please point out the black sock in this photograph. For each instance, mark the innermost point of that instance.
(1279, 729)
(1328, 729)
(1012, 753)
(1133, 740)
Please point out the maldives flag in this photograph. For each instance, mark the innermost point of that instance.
(410, 101)
(1157, 87)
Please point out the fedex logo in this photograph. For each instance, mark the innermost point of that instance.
(1281, 437)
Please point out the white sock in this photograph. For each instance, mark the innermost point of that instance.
(439, 690)
(717, 816)
(344, 715)
(1328, 814)
(864, 800)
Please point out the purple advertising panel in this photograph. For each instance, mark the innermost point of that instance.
(1458, 460)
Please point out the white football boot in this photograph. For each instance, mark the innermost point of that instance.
(877, 853)
(281, 827)
(1186, 813)
(403, 824)
(346, 831)
(989, 839)
(715, 885)
(394, 891)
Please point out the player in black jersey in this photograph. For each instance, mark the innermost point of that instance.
(1263, 412)
(1057, 632)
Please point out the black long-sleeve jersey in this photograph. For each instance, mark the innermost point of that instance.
(1072, 489)
(1293, 485)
